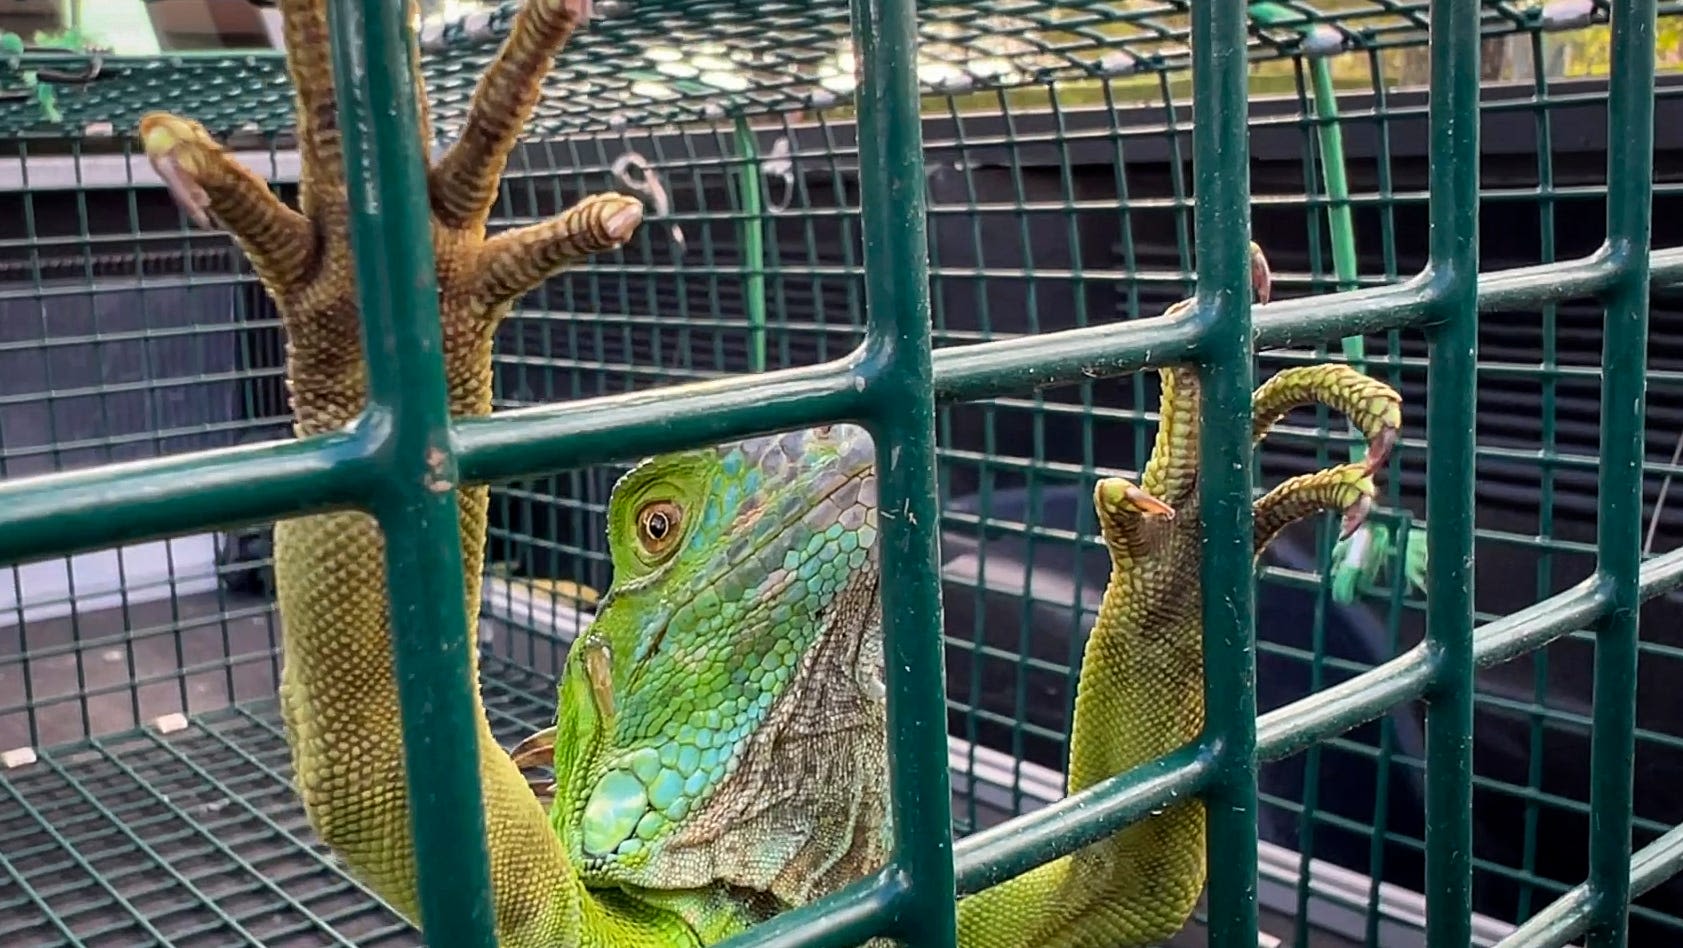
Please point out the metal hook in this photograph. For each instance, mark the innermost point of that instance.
(778, 164)
(647, 183)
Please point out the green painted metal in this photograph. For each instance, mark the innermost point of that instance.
(749, 185)
(782, 75)
(1630, 174)
(1453, 337)
(900, 392)
(1226, 378)
(894, 382)
(408, 411)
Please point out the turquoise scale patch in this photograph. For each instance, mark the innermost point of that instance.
(665, 790)
(689, 758)
(650, 825)
(645, 764)
(612, 812)
(710, 760)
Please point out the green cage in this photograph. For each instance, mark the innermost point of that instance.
(1458, 197)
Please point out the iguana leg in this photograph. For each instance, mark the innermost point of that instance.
(1140, 693)
(338, 693)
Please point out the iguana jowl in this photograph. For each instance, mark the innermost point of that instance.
(719, 750)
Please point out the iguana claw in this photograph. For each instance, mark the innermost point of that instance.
(536, 750)
(1115, 493)
(1262, 275)
(1354, 516)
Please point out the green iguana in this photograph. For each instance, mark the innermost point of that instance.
(719, 748)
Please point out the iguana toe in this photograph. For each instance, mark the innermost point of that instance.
(1118, 495)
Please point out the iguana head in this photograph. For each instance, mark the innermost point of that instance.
(721, 720)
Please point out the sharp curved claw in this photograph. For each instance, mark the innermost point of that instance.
(1146, 503)
(536, 750)
(1354, 516)
(1379, 449)
(1262, 275)
(1116, 493)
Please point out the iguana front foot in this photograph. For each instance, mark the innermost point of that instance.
(338, 695)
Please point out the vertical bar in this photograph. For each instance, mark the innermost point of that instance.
(1221, 146)
(1630, 173)
(1452, 387)
(896, 258)
(391, 240)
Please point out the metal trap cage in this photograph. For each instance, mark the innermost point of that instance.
(1469, 219)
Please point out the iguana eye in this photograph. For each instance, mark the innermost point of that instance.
(657, 525)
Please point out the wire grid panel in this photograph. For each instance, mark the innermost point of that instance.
(579, 339)
(657, 61)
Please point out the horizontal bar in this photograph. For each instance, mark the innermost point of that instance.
(1314, 319)
(524, 441)
(616, 426)
(1522, 287)
(1008, 366)
(1355, 701)
(95, 508)
(1346, 705)
(1569, 916)
(214, 484)
(1012, 848)
(1665, 267)
(843, 919)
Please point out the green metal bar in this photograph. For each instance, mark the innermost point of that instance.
(545, 438)
(1332, 711)
(1220, 143)
(1569, 916)
(391, 243)
(902, 404)
(1624, 360)
(94, 508)
(1451, 405)
(753, 231)
(78, 510)
(1010, 849)
(844, 919)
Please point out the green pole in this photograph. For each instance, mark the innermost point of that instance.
(752, 232)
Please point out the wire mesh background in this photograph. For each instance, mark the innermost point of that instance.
(125, 335)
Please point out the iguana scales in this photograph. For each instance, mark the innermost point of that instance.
(719, 748)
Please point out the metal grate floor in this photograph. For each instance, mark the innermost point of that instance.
(195, 838)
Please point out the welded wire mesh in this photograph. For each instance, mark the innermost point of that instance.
(1058, 175)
